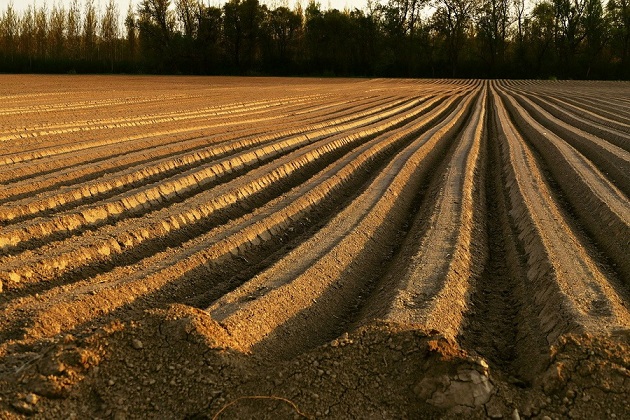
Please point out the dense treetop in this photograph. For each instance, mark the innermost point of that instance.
(585, 39)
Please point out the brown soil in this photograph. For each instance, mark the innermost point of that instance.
(178, 247)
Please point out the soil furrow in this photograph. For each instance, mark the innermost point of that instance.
(599, 204)
(97, 124)
(148, 144)
(597, 111)
(82, 105)
(164, 169)
(334, 266)
(251, 247)
(112, 141)
(209, 252)
(576, 118)
(501, 324)
(103, 244)
(572, 293)
(283, 110)
(610, 160)
(429, 283)
(156, 196)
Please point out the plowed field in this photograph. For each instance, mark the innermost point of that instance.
(286, 248)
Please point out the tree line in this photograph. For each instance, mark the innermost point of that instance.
(581, 39)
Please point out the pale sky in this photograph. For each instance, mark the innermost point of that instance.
(123, 5)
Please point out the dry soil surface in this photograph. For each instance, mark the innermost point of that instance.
(177, 247)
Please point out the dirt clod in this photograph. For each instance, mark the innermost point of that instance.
(31, 399)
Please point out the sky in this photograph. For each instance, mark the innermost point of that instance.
(123, 5)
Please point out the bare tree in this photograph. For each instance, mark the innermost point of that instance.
(493, 21)
(41, 32)
(110, 31)
(520, 61)
(618, 12)
(56, 32)
(90, 25)
(569, 29)
(156, 25)
(188, 12)
(452, 19)
(132, 36)
(27, 35)
(73, 30)
(9, 31)
(519, 14)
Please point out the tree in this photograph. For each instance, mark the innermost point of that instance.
(452, 20)
(595, 35)
(132, 36)
(540, 35)
(493, 22)
(315, 37)
(109, 32)
(57, 32)
(618, 13)
(282, 27)
(187, 12)
(366, 42)
(570, 32)
(27, 36)
(519, 53)
(241, 29)
(9, 32)
(209, 39)
(396, 38)
(41, 32)
(400, 25)
(156, 23)
(73, 31)
(400, 17)
(89, 36)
